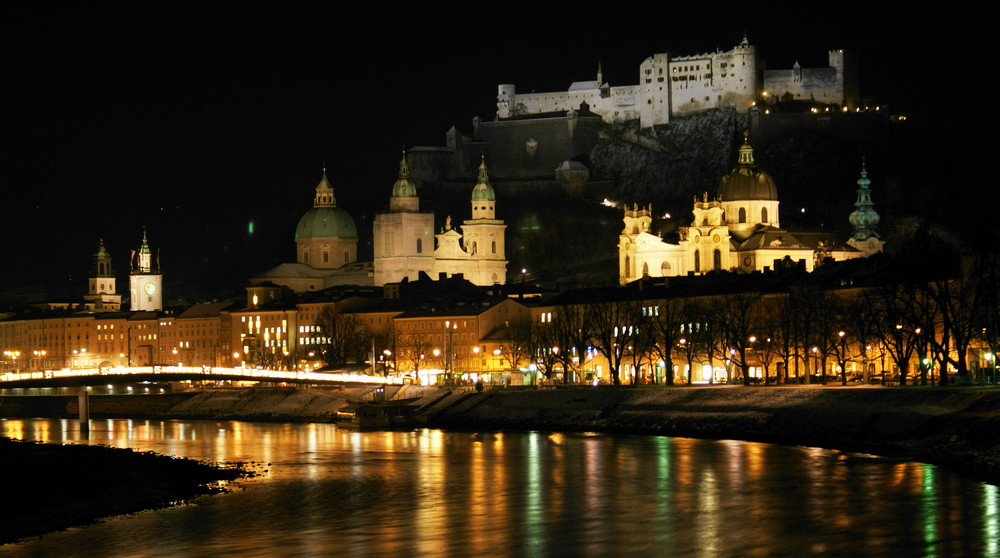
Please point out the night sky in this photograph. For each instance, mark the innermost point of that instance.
(198, 121)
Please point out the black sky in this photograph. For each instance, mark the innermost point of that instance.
(195, 121)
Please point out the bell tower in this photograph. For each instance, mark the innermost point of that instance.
(101, 283)
(145, 281)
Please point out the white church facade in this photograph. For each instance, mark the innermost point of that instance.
(739, 230)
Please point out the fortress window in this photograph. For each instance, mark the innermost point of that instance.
(649, 80)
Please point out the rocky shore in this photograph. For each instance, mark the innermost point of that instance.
(51, 487)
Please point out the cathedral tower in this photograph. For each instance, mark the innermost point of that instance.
(145, 281)
(403, 237)
(483, 235)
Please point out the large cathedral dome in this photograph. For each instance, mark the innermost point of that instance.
(747, 181)
(326, 222)
(325, 219)
(326, 236)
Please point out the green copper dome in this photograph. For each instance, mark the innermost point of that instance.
(483, 191)
(747, 181)
(325, 219)
(403, 186)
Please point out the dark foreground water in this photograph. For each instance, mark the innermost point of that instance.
(329, 492)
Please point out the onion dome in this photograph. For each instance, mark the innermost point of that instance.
(404, 187)
(864, 218)
(747, 181)
(325, 219)
(483, 191)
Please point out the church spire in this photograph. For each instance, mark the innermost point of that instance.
(483, 196)
(404, 186)
(324, 192)
(864, 218)
(404, 192)
(746, 152)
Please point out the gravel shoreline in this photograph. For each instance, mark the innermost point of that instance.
(51, 487)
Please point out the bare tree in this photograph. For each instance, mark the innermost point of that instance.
(343, 337)
(664, 333)
(734, 316)
(614, 330)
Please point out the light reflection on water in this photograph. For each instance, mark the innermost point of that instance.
(432, 493)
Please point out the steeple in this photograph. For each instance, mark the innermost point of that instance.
(144, 257)
(864, 219)
(404, 191)
(600, 74)
(324, 193)
(483, 196)
(746, 152)
(102, 262)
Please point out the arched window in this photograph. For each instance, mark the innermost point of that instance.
(493, 247)
(716, 259)
(473, 251)
(420, 246)
(645, 269)
(628, 266)
(763, 215)
(743, 215)
(697, 261)
(665, 269)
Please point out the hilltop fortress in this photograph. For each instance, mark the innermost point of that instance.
(671, 86)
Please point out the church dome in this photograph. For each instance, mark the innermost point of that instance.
(325, 219)
(483, 191)
(747, 181)
(326, 222)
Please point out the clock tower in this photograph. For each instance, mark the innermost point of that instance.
(144, 281)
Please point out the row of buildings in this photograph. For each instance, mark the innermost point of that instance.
(849, 319)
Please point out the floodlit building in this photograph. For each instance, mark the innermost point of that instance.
(739, 230)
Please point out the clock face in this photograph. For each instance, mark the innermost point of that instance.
(150, 288)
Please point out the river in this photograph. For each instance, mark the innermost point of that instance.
(330, 492)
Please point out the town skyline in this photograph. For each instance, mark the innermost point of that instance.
(198, 129)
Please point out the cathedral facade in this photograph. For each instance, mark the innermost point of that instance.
(739, 230)
(404, 241)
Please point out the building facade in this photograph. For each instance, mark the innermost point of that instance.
(671, 86)
(738, 230)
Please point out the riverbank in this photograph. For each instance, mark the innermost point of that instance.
(50, 487)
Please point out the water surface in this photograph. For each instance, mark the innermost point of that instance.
(329, 492)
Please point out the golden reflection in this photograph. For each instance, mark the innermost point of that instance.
(708, 514)
(991, 520)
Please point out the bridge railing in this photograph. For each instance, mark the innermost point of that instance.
(194, 372)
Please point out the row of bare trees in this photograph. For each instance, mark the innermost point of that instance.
(790, 335)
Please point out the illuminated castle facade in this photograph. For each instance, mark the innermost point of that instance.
(672, 86)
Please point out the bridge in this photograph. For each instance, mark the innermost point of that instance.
(68, 377)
